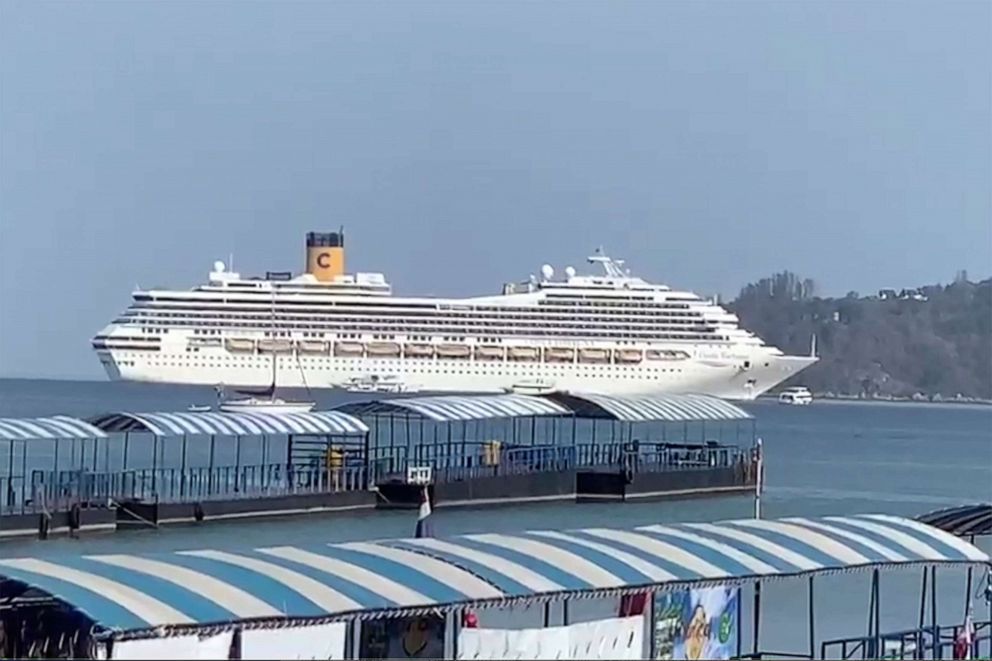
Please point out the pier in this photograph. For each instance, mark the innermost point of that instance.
(675, 591)
(128, 469)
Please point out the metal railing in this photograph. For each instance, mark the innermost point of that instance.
(921, 643)
(61, 489)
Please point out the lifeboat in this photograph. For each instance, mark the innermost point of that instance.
(594, 355)
(275, 346)
(311, 346)
(382, 349)
(523, 353)
(236, 345)
(559, 355)
(453, 351)
(349, 348)
(629, 355)
(489, 353)
(418, 351)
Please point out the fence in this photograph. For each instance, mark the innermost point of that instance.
(56, 490)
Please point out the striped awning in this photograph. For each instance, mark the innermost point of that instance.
(233, 424)
(449, 408)
(963, 521)
(59, 426)
(650, 408)
(367, 579)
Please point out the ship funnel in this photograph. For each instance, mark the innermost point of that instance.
(325, 255)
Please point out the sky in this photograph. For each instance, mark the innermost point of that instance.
(464, 144)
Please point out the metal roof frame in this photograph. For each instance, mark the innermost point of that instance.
(650, 408)
(456, 408)
(164, 425)
(156, 594)
(55, 427)
(963, 521)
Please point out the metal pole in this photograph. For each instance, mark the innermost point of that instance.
(923, 600)
(154, 462)
(933, 612)
(237, 463)
(757, 617)
(812, 630)
(24, 472)
(967, 590)
(547, 614)
(740, 622)
(564, 613)
(759, 479)
(877, 615)
(182, 470)
(127, 444)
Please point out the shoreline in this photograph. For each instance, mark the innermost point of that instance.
(850, 399)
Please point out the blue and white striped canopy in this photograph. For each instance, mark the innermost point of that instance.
(234, 424)
(651, 408)
(59, 426)
(450, 408)
(131, 592)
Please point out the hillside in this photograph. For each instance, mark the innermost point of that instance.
(933, 342)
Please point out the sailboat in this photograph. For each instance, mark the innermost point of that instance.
(266, 401)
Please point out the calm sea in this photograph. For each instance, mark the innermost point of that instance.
(829, 458)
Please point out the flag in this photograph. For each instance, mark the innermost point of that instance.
(633, 604)
(965, 639)
(423, 519)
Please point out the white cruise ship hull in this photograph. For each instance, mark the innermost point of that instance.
(729, 380)
(609, 333)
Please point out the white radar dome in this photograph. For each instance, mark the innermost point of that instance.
(547, 271)
(570, 271)
(219, 266)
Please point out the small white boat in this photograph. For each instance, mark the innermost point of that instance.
(796, 396)
(594, 355)
(265, 405)
(198, 408)
(533, 387)
(453, 351)
(488, 353)
(559, 355)
(523, 353)
(236, 345)
(417, 350)
(375, 383)
(311, 347)
(383, 349)
(349, 348)
(629, 356)
(275, 346)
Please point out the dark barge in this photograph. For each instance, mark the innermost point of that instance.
(150, 469)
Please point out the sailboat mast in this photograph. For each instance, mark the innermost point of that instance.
(275, 352)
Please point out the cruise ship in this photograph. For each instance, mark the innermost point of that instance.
(607, 332)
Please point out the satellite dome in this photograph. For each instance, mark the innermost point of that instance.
(547, 271)
(219, 266)
(570, 271)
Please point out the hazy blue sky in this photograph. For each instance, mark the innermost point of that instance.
(462, 144)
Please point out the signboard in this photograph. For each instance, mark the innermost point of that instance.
(419, 475)
(696, 624)
(403, 638)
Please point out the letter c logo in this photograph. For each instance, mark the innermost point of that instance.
(323, 260)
